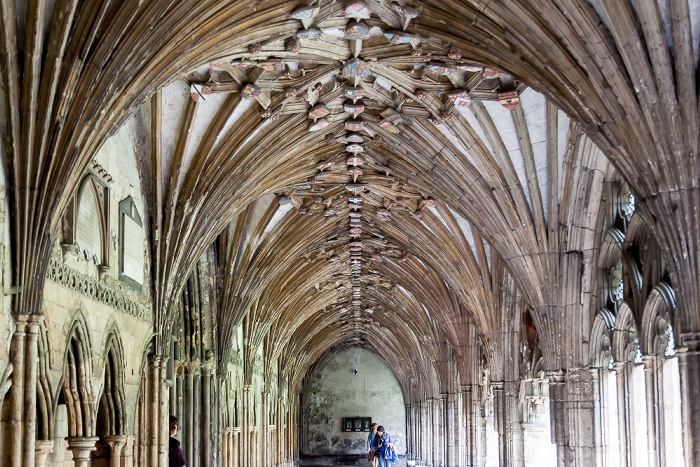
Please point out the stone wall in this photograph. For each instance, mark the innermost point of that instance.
(336, 392)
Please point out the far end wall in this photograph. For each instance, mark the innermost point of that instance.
(337, 392)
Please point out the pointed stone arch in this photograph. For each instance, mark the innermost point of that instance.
(625, 335)
(112, 401)
(76, 388)
(600, 347)
(657, 319)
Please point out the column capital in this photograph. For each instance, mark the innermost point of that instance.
(81, 447)
(690, 340)
(115, 440)
(555, 376)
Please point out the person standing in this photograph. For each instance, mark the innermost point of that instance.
(382, 447)
(176, 458)
(370, 439)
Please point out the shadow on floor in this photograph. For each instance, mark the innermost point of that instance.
(344, 461)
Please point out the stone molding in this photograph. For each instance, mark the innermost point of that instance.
(95, 290)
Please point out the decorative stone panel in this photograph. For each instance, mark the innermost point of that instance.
(96, 290)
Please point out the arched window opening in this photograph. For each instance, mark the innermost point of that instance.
(85, 224)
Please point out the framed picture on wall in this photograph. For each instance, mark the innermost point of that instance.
(357, 424)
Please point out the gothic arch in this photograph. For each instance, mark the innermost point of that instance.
(600, 346)
(657, 319)
(111, 407)
(77, 385)
(625, 335)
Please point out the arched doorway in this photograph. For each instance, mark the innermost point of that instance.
(347, 391)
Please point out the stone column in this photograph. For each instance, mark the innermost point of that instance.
(225, 453)
(580, 417)
(246, 437)
(43, 449)
(623, 425)
(442, 430)
(515, 454)
(499, 422)
(409, 431)
(116, 444)
(82, 448)
(30, 375)
(17, 391)
(478, 428)
(188, 432)
(206, 419)
(466, 422)
(652, 398)
(689, 368)
(557, 391)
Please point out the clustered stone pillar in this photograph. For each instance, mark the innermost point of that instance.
(572, 415)
(689, 368)
(22, 449)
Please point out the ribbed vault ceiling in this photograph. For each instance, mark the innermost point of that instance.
(455, 198)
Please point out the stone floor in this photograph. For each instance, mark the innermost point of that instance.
(344, 461)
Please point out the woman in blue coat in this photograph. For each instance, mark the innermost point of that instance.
(382, 447)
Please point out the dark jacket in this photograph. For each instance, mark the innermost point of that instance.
(380, 444)
(175, 455)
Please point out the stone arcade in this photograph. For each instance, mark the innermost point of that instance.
(219, 208)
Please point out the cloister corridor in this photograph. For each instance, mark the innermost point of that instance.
(238, 233)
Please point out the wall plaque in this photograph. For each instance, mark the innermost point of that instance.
(130, 244)
(357, 424)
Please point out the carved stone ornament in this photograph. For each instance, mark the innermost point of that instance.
(493, 73)
(254, 48)
(250, 92)
(357, 10)
(95, 290)
(293, 46)
(271, 66)
(454, 54)
(509, 100)
(404, 10)
(354, 148)
(354, 125)
(198, 91)
(310, 34)
(460, 98)
(357, 31)
(319, 125)
(356, 68)
(319, 111)
(398, 37)
(354, 109)
(355, 161)
(354, 93)
(441, 68)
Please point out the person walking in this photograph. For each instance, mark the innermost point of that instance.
(176, 458)
(370, 438)
(382, 447)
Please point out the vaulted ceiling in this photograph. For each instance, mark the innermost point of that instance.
(368, 173)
